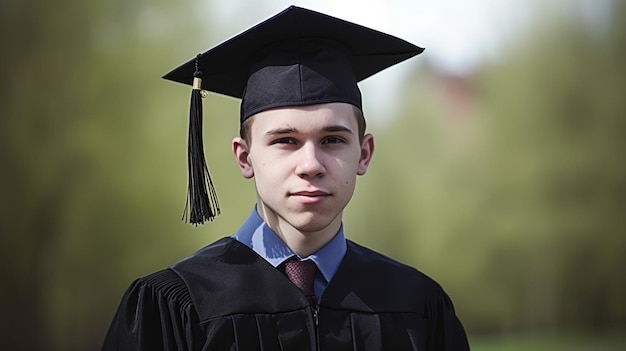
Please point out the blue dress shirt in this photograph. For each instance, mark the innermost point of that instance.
(255, 234)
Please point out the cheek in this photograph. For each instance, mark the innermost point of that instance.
(266, 172)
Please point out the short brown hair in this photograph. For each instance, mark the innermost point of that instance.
(244, 129)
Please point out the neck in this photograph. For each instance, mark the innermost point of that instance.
(301, 242)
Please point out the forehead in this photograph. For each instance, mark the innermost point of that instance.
(308, 118)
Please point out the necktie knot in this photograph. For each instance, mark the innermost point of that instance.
(302, 274)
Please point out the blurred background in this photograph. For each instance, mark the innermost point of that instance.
(500, 164)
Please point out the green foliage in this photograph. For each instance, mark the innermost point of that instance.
(510, 184)
(555, 121)
(93, 161)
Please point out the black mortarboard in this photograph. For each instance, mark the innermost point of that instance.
(298, 57)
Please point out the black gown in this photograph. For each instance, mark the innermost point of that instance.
(227, 297)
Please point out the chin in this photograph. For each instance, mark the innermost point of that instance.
(312, 222)
(311, 227)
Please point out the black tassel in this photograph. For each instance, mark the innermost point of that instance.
(202, 204)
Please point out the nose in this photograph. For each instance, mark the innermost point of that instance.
(309, 162)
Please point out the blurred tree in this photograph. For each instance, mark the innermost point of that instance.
(38, 171)
(557, 116)
(514, 180)
(86, 161)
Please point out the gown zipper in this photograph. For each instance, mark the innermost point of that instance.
(316, 309)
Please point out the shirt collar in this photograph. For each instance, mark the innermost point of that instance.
(258, 236)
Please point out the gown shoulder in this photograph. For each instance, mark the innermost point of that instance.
(156, 313)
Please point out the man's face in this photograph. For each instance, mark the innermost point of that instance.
(304, 161)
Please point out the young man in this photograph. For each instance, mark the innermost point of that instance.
(288, 279)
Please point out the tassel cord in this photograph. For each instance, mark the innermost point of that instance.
(202, 202)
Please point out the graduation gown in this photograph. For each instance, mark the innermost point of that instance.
(227, 297)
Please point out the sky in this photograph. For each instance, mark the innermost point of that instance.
(458, 35)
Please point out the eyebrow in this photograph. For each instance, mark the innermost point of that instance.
(289, 130)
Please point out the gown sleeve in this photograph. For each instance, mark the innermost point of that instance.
(446, 331)
(156, 313)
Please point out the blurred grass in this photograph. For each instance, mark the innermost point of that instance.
(611, 342)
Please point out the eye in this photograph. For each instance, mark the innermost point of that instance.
(284, 141)
(333, 140)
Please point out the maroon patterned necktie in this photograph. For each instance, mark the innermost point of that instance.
(302, 274)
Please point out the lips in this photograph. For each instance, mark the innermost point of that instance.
(310, 197)
(310, 193)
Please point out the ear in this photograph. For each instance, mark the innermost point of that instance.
(367, 151)
(242, 156)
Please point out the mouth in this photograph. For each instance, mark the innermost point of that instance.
(310, 193)
(310, 196)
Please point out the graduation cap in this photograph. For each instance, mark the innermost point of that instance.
(297, 57)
